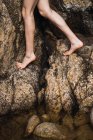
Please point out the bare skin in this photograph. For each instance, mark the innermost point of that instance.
(28, 16)
(47, 12)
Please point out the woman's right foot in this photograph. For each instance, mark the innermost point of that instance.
(78, 44)
(27, 60)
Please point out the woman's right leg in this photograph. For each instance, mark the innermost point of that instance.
(28, 16)
(46, 11)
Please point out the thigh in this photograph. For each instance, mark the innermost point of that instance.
(43, 4)
(29, 4)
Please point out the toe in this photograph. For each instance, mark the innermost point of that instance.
(18, 65)
(66, 53)
(69, 52)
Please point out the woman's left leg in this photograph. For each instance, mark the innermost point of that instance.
(46, 11)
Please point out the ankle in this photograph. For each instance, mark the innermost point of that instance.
(76, 41)
(29, 54)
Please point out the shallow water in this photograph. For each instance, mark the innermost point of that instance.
(13, 128)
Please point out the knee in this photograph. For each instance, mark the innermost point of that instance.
(26, 13)
(45, 13)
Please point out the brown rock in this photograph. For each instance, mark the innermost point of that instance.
(32, 123)
(50, 130)
(69, 80)
(7, 37)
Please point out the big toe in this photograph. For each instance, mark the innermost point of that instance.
(67, 53)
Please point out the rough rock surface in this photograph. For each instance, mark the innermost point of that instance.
(33, 122)
(63, 83)
(55, 84)
(69, 79)
(50, 130)
(18, 88)
(7, 37)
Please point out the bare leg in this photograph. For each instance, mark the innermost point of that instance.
(27, 13)
(46, 11)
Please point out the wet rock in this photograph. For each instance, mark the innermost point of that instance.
(50, 130)
(32, 124)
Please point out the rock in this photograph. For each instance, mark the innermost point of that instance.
(51, 130)
(69, 80)
(58, 91)
(32, 123)
(81, 119)
(41, 96)
(7, 37)
(18, 88)
(57, 83)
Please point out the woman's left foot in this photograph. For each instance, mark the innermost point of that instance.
(27, 60)
(74, 47)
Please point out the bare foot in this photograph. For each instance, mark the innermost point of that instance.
(26, 61)
(74, 47)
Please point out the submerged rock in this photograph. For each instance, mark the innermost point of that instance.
(32, 123)
(51, 131)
